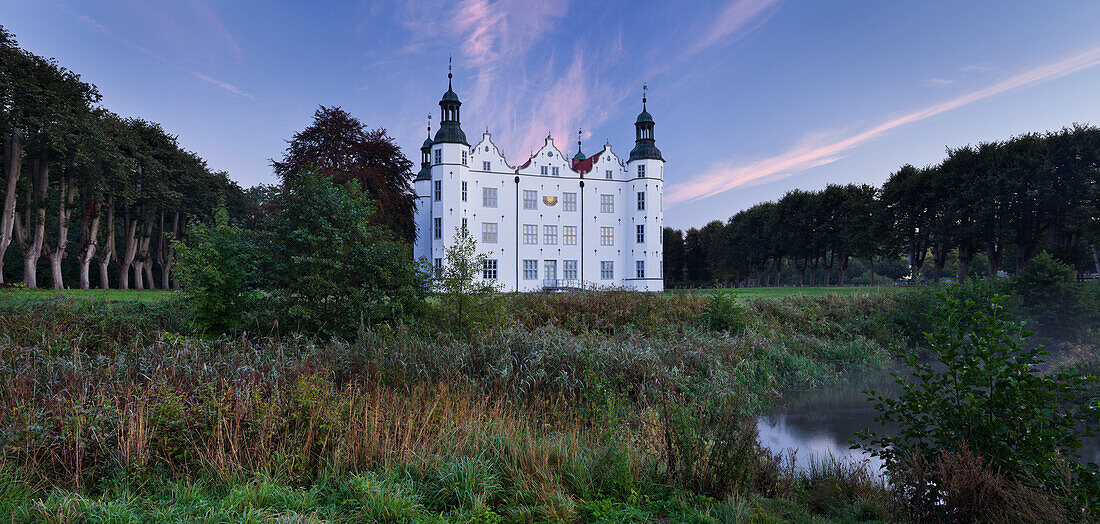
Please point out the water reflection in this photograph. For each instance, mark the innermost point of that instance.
(818, 423)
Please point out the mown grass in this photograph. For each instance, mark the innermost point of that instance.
(603, 407)
(782, 292)
(19, 295)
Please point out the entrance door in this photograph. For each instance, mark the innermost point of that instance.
(550, 271)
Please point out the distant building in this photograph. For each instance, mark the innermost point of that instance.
(551, 222)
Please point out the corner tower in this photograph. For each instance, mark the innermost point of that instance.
(645, 175)
(449, 165)
(422, 185)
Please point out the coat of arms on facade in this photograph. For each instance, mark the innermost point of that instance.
(549, 200)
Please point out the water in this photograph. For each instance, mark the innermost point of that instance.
(818, 423)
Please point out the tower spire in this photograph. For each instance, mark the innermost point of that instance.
(645, 89)
(429, 125)
(449, 75)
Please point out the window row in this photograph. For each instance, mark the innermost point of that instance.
(490, 230)
(531, 198)
(489, 269)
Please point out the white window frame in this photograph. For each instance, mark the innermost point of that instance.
(607, 203)
(569, 201)
(550, 235)
(640, 232)
(530, 234)
(607, 174)
(530, 199)
(437, 228)
(641, 170)
(464, 186)
(489, 232)
(607, 270)
(437, 190)
(607, 236)
(543, 170)
(569, 235)
(639, 268)
(530, 269)
(464, 154)
(554, 171)
(437, 157)
(489, 269)
(569, 270)
(486, 165)
(488, 197)
(641, 200)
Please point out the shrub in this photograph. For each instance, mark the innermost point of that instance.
(1051, 297)
(724, 313)
(330, 269)
(982, 387)
(468, 301)
(216, 270)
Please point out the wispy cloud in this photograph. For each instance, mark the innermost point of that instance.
(102, 29)
(729, 176)
(937, 82)
(224, 85)
(736, 20)
(983, 67)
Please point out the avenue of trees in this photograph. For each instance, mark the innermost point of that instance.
(995, 205)
(85, 187)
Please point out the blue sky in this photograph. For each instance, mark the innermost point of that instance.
(752, 98)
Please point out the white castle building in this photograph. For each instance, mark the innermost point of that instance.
(552, 222)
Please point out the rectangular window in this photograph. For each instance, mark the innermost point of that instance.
(641, 200)
(607, 203)
(530, 199)
(437, 187)
(489, 197)
(542, 170)
(640, 267)
(641, 233)
(555, 171)
(550, 235)
(569, 269)
(530, 234)
(607, 236)
(438, 156)
(439, 263)
(569, 235)
(489, 232)
(464, 191)
(607, 174)
(464, 229)
(569, 201)
(463, 158)
(607, 270)
(485, 166)
(489, 269)
(530, 269)
(641, 170)
(437, 227)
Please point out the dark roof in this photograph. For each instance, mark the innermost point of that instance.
(584, 165)
(450, 133)
(645, 149)
(644, 117)
(427, 144)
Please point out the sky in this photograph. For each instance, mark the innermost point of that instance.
(751, 98)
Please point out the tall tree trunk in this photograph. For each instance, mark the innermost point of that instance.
(1095, 259)
(13, 165)
(179, 224)
(939, 260)
(843, 268)
(800, 269)
(103, 257)
(57, 253)
(813, 271)
(146, 260)
(31, 232)
(165, 253)
(994, 252)
(829, 269)
(89, 234)
(966, 255)
(872, 259)
(127, 259)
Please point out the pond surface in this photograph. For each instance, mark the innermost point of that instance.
(818, 423)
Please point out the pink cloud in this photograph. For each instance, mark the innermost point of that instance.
(224, 85)
(739, 17)
(729, 176)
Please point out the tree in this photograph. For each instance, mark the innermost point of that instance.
(328, 267)
(673, 244)
(982, 387)
(340, 147)
(217, 272)
(464, 294)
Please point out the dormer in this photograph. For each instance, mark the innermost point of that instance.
(487, 151)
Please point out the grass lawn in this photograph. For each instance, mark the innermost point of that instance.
(13, 295)
(777, 292)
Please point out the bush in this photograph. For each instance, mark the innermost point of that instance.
(1051, 297)
(724, 313)
(330, 269)
(983, 387)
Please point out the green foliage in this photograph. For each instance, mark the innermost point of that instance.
(217, 272)
(330, 269)
(725, 313)
(468, 301)
(1052, 298)
(982, 388)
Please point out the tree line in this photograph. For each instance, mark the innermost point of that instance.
(1000, 202)
(84, 184)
